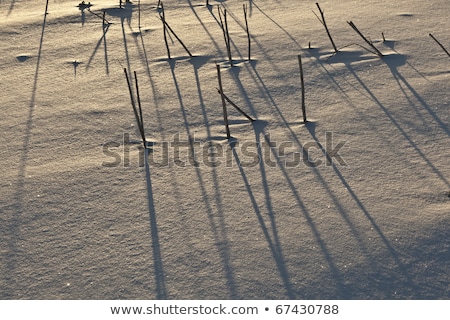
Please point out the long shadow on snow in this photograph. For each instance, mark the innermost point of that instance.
(271, 232)
(216, 220)
(359, 236)
(397, 60)
(405, 278)
(342, 291)
(398, 126)
(204, 27)
(157, 259)
(402, 270)
(197, 63)
(102, 39)
(127, 56)
(277, 24)
(393, 62)
(350, 289)
(14, 228)
(235, 72)
(161, 292)
(124, 13)
(146, 65)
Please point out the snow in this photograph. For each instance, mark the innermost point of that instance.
(74, 225)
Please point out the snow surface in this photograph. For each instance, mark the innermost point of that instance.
(74, 226)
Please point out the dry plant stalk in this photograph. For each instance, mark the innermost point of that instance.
(139, 15)
(235, 106)
(224, 106)
(322, 20)
(178, 38)
(248, 32)
(377, 52)
(133, 104)
(440, 44)
(162, 16)
(167, 28)
(140, 107)
(226, 34)
(302, 83)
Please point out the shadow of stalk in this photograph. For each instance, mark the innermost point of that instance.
(14, 227)
(397, 124)
(161, 292)
(102, 39)
(216, 220)
(271, 237)
(395, 61)
(390, 248)
(342, 291)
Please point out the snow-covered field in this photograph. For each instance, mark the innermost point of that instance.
(82, 217)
